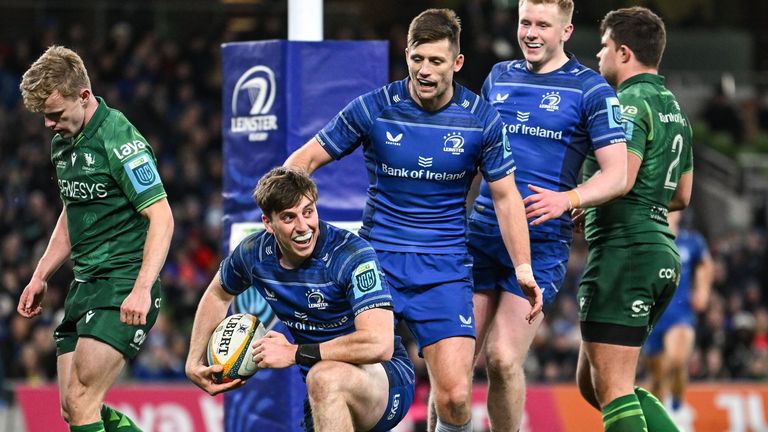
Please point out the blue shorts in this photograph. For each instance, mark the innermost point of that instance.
(654, 343)
(401, 379)
(432, 293)
(493, 268)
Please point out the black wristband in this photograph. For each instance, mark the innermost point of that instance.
(308, 354)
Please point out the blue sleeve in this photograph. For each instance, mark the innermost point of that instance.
(496, 70)
(700, 250)
(234, 275)
(365, 284)
(349, 128)
(497, 160)
(602, 112)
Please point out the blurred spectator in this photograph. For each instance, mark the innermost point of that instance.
(721, 113)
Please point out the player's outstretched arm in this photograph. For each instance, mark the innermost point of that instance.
(703, 277)
(211, 310)
(510, 212)
(56, 253)
(309, 157)
(136, 306)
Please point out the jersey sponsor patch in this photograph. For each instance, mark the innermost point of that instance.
(507, 145)
(142, 172)
(614, 112)
(365, 279)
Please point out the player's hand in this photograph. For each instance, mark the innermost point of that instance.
(135, 307)
(531, 291)
(577, 217)
(545, 204)
(203, 377)
(274, 351)
(32, 298)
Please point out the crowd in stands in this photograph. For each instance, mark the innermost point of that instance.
(171, 90)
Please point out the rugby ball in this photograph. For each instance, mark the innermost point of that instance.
(230, 346)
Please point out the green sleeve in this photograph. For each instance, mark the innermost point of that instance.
(134, 167)
(637, 122)
(687, 165)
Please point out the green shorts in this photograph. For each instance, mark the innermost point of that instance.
(92, 309)
(628, 286)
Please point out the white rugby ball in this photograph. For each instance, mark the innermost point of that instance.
(230, 346)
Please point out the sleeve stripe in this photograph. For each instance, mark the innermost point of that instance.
(151, 201)
(599, 86)
(365, 109)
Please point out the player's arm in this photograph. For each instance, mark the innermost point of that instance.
(702, 282)
(510, 212)
(309, 157)
(55, 254)
(136, 306)
(371, 342)
(682, 196)
(608, 184)
(211, 310)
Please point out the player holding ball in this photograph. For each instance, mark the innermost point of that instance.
(325, 285)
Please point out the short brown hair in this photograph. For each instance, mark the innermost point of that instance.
(639, 29)
(434, 25)
(565, 6)
(282, 188)
(58, 69)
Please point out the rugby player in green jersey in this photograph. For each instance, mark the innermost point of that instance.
(116, 226)
(633, 265)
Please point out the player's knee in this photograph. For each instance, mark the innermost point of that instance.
(503, 367)
(454, 399)
(587, 390)
(325, 379)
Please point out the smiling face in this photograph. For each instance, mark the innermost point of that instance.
(542, 32)
(65, 115)
(295, 230)
(431, 66)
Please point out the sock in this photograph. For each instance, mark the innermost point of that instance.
(624, 414)
(115, 421)
(447, 427)
(655, 414)
(93, 427)
(677, 402)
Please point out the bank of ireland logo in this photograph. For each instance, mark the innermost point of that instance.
(523, 116)
(453, 143)
(550, 101)
(365, 279)
(252, 100)
(142, 172)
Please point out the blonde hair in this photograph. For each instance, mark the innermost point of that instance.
(565, 6)
(58, 69)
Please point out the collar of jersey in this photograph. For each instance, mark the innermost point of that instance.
(642, 77)
(93, 124)
(458, 90)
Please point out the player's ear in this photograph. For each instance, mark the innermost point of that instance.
(267, 224)
(85, 94)
(625, 53)
(567, 32)
(458, 63)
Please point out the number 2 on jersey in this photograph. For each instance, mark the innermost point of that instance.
(677, 147)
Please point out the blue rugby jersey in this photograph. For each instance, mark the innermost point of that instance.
(693, 249)
(553, 120)
(420, 164)
(319, 300)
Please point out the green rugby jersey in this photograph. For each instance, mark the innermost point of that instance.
(107, 174)
(659, 133)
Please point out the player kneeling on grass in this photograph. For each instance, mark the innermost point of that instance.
(357, 371)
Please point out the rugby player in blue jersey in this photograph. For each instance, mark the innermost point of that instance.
(556, 111)
(325, 285)
(423, 139)
(670, 344)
